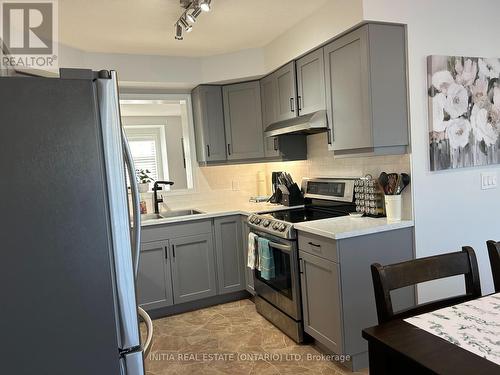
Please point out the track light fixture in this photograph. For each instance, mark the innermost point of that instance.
(205, 5)
(193, 8)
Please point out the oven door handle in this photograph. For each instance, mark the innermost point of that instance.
(280, 246)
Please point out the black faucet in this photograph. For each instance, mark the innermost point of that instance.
(156, 201)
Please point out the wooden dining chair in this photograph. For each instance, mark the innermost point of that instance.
(399, 275)
(494, 254)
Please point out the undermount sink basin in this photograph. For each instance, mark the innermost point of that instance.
(169, 214)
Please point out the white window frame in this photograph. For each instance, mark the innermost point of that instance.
(187, 133)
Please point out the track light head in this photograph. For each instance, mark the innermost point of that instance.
(186, 25)
(193, 15)
(178, 31)
(205, 5)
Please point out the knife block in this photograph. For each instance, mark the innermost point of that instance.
(291, 196)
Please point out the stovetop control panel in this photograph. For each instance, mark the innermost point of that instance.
(270, 225)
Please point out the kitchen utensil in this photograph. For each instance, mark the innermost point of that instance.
(392, 183)
(383, 180)
(405, 181)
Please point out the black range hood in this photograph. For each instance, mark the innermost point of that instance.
(311, 123)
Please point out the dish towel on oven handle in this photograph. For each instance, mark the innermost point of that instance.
(252, 251)
(266, 259)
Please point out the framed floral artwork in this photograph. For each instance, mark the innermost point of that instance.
(464, 111)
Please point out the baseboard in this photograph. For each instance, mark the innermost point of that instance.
(199, 304)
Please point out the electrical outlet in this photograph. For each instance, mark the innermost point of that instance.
(488, 180)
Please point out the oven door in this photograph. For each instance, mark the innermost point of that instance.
(283, 290)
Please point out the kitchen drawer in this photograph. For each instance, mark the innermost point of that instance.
(162, 232)
(319, 246)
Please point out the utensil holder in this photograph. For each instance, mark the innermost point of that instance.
(393, 207)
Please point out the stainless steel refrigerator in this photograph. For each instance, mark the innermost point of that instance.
(69, 250)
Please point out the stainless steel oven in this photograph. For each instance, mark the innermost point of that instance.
(279, 298)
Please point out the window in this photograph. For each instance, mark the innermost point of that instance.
(147, 151)
(144, 154)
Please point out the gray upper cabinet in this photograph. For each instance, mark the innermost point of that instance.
(269, 99)
(243, 121)
(154, 283)
(286, 94)
(366, 90)
(311, 83)
(208, 117)
(193, 267)
(229, 253)
(321, 306)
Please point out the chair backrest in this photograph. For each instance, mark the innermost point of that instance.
(494, 254)
(399, 275)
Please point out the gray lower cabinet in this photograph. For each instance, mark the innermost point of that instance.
(154, 282)
(243, 121)
(193, 267)
(208, 117)
(366, 91)
(337, 291)
(249, 284)
(229, 253)
(311, 83)
(321, 305)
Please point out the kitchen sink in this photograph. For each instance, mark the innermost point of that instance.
(169, 214)
(176, 213)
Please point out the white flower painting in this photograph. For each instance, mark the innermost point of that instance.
(464, 105)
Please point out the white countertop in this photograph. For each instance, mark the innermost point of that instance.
(346, 226)
(217, 209)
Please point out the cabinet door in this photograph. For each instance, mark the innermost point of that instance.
(209, 123)
(154, 283)
(311, 83)
(193, 267)
(249, 284)
(229, 253)
(321, 306)
(243, 121)
(269, 99)
(347, 91)
(286, 91)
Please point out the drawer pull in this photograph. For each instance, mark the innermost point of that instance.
(313, 244)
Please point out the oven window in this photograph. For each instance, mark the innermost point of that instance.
(282, 281)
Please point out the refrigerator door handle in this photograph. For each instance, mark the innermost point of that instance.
(136, 205)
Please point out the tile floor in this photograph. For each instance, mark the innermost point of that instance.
(230, 339)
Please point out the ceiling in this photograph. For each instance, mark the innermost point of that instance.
(146, 26)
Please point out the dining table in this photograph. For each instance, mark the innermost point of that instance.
(463, 339)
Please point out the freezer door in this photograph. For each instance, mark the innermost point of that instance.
(128, 335)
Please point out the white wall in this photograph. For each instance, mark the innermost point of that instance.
(450, 208)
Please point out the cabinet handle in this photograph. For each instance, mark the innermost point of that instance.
(300, 103)
(166, 252)
(301, 266)
(173, 250)
(291, 105)
(229, 149)
(275, 143)
(208, 150)
(329, 135)
(313, 244)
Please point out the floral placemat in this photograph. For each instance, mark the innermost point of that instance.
(473, 325)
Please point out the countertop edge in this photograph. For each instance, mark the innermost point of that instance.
(356, 232)
(210, 215)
